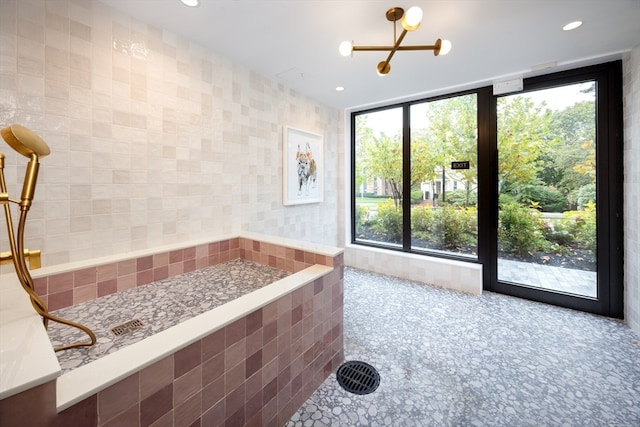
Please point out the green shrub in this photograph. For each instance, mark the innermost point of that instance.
(506, 198)
(586, 194)
(459, 198)
(520, 229)
(582, 226)
(421, 219)
(559, 236)
(547, 198)
(471, 225)
(362, 214)
(448, 226)
(451, 227)
(388, 221)
(416, 196)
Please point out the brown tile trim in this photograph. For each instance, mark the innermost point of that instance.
(123, 275)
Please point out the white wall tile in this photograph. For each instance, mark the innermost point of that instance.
(142, 154)
(631, 73)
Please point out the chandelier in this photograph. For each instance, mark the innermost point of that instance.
(410, 21)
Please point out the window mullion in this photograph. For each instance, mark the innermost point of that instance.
(406, 179)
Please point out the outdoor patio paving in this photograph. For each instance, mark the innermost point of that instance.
(578, 282)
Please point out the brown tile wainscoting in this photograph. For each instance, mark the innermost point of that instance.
(256, 371)
(74, 287)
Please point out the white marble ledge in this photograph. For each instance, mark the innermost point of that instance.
(84, 381)
(27, 358)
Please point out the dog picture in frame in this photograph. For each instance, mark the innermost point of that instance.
(302, 167)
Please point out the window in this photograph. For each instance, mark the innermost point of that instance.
(378, 177)
(441, 201)
(444, 131)
(526, 184)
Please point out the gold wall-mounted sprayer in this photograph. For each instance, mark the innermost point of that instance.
(32, 256)
(30, 145)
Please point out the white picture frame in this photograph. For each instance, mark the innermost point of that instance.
(302, 167)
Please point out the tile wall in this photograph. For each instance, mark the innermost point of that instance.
(448, 274)
(154, 140)
(631, 81)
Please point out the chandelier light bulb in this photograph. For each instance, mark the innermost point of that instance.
(346, 47)
(190, 3)
(412, 19)
(445, 47)
(572, 25)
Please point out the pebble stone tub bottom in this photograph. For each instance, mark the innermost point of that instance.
(158, 306)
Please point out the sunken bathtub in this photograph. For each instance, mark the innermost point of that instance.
(253, 360)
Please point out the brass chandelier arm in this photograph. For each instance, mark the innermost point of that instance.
(388, 48)
(384, 67)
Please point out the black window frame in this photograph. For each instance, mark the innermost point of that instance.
(609, 154)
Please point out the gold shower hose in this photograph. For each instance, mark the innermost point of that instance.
(30, 145)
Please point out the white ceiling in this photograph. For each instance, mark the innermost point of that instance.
(296, 41)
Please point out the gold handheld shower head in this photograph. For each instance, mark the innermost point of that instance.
(25, 141)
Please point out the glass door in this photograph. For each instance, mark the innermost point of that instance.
(548, 210)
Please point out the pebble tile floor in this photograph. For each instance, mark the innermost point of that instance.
(452, 359)
(158, 305)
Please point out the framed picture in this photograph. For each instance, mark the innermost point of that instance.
(302, 167)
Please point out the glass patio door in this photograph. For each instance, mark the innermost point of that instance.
(547, 219)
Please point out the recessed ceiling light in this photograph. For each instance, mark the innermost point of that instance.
(572, 25)
(340, 88)
(190, 3)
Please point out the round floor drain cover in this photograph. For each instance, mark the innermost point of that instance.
(358, 377)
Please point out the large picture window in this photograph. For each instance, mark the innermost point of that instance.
(526, 184)
(444, 213)
(441, 200)
(378, 177)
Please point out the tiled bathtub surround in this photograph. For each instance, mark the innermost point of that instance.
(158, 306)
(256, 370)
(85, 284)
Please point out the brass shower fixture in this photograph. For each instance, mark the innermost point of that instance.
(32, 256)
(30, 145)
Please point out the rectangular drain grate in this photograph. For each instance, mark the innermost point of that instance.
(127, 327)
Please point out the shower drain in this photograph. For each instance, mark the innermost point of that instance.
(358, 377)
(127, 327)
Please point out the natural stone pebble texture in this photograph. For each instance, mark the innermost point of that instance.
(159, 305)
(452, 359)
